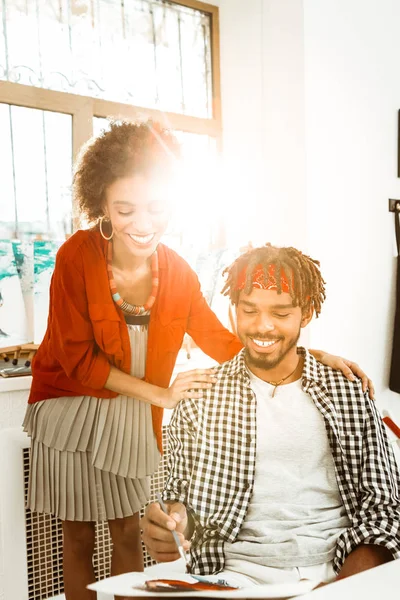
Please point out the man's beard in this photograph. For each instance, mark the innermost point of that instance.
(264, 361)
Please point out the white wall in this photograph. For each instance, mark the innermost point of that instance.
(352, 96)
(310, 94)
(263, 116)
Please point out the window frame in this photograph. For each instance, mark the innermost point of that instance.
(84, 108)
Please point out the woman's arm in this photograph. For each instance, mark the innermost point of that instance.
(125, 384)
(73, 345)
(70, 334)
(349, 369)
(205, 328)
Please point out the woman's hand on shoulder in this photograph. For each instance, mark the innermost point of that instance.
(188, 384)
(349, 369)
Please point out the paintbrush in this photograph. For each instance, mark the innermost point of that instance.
(181, 550)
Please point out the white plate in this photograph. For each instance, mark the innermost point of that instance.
(126, 585)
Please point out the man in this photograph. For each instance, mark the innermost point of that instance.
(283, 469)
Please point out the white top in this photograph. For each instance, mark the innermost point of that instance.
(296, 512)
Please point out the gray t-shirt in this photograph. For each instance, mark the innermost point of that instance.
(296, 512)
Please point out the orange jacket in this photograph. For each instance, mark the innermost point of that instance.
(86, 331)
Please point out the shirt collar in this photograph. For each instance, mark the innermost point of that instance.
(312, 371)
(236, 366)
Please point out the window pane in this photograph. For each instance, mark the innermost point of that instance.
(195, 146)
(36, 151)
(99, 124)
(145, 52)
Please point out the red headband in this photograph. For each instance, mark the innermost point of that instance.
(264, 282)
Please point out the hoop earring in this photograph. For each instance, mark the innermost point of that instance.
(101, 229)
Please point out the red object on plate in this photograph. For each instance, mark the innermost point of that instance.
(174, 585)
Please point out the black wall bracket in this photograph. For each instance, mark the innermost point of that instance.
(394, 205)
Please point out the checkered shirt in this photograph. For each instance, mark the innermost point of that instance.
(212, 455)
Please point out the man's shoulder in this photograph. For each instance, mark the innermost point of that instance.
(228, 375)
(233, 367)
(334, 382)
(338, 384)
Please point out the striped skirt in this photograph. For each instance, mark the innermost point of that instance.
(92, 458)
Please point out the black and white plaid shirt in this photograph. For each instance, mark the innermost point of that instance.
(212, 455)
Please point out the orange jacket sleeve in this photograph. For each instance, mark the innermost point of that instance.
(70, 329)
(206, 329)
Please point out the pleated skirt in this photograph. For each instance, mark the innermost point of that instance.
(92, 458)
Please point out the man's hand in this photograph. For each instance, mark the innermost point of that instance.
(364, 557)
(156, 529)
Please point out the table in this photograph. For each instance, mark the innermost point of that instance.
(380, 583)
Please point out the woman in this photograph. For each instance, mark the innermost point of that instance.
(120, 304)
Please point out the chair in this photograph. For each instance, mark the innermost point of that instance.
(394, 434)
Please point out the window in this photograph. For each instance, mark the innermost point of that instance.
(36, 151)
(148, 53)
(85, 60)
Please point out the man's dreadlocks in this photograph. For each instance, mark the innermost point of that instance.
(306, 285)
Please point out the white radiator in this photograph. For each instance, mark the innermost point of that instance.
(31, 543)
